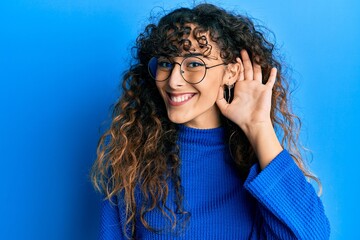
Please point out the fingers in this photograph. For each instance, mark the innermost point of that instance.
(247, 65)
(252, 70)
(272, 78)
(257, 73)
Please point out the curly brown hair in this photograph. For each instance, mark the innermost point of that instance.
(139, 154)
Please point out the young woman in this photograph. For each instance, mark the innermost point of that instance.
(192, 151)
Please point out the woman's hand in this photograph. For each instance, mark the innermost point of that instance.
(251, 103)
(250, 109)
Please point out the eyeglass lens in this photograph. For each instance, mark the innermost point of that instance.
(192, 69)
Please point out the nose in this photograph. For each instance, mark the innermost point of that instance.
(175, 79)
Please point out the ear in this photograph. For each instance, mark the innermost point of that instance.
(232, 73)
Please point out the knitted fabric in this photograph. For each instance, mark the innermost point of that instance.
(275, 203)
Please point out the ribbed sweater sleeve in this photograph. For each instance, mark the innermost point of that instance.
(110, 228)
(288, 206)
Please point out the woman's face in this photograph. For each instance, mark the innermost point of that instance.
(194, 104)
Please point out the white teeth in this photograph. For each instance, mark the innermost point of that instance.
(181, 98)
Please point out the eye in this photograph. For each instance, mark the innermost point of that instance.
(194, 64)
(164, 64)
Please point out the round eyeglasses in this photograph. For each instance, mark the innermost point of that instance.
(192, 69)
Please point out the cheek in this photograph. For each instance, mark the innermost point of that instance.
(210, 92)
(160, 86)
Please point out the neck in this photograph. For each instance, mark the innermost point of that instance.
(207, 121)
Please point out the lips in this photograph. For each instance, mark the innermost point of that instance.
(179, 99)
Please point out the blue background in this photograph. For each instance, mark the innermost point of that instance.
(60, 65)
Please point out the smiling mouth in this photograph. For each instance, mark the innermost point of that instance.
(177, 100)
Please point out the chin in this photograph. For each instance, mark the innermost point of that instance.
(177, 119)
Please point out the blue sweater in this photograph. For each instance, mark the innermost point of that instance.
(275, 203)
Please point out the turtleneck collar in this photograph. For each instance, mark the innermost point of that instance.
(205, 137)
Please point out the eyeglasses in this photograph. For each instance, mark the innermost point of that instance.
(192, 69)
